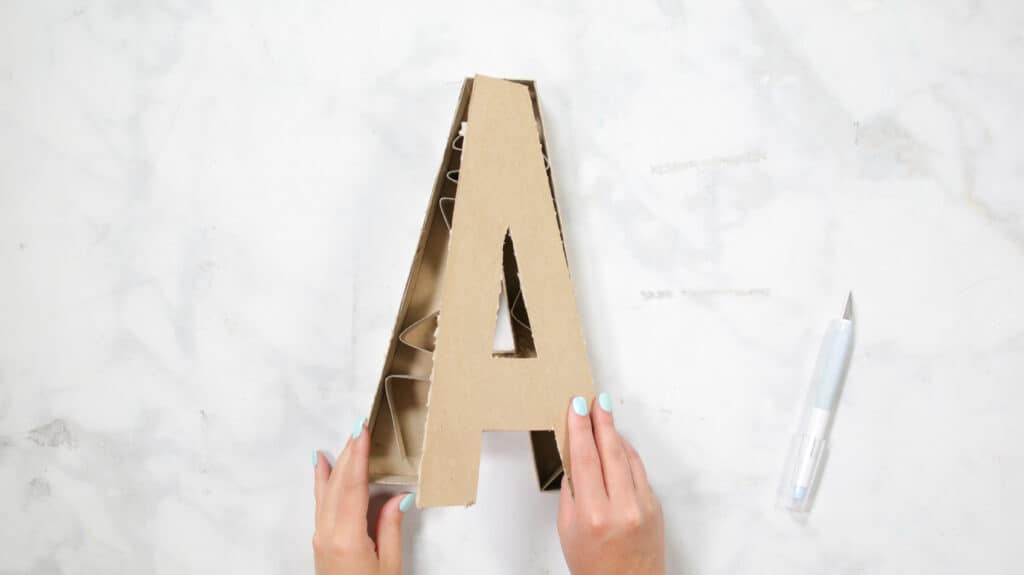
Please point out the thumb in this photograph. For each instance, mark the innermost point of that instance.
(389, 533)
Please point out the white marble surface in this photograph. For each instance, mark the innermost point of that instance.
(207, 211)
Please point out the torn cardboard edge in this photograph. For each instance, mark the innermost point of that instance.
(398, 423)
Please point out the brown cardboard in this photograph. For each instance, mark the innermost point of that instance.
(492, 223)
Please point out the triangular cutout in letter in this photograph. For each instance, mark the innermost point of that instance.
(512, 314)
(504, 342)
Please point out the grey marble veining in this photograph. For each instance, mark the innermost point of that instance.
(207, 211)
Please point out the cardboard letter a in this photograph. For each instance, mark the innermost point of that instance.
(498, 233)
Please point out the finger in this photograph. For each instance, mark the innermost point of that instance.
(354, 483)
(342, 459)
(636, 468)
(346, 496)
(565, 506)
(587, 481)
(332, 493)
(389, 533)
(321, 473)
(617, 478)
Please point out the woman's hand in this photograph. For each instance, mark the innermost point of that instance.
(611, 522)
(341, 545)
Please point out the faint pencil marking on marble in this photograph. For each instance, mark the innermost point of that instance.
(649, 295)
(715, 162)
(886, 149)
(76, 14)
(39, 488)
(741, 292)
(53, 434)
(666, 294)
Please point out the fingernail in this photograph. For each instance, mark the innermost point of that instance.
(359, 429)
(407, 502)
(315, 458)
(605, 401)
(579, 405)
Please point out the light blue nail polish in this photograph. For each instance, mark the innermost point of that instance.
(315, 458)
(579, 405)
(359, 429)
(605, 401)
(407, 502)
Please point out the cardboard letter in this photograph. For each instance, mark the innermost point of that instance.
(503, 186)
(492, 221)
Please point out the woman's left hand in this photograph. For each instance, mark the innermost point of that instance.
(341, 543)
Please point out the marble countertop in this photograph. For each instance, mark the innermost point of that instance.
(207, 213)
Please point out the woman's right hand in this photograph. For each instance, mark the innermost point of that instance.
(610, 523)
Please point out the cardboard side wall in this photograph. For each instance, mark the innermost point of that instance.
(420, 298)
